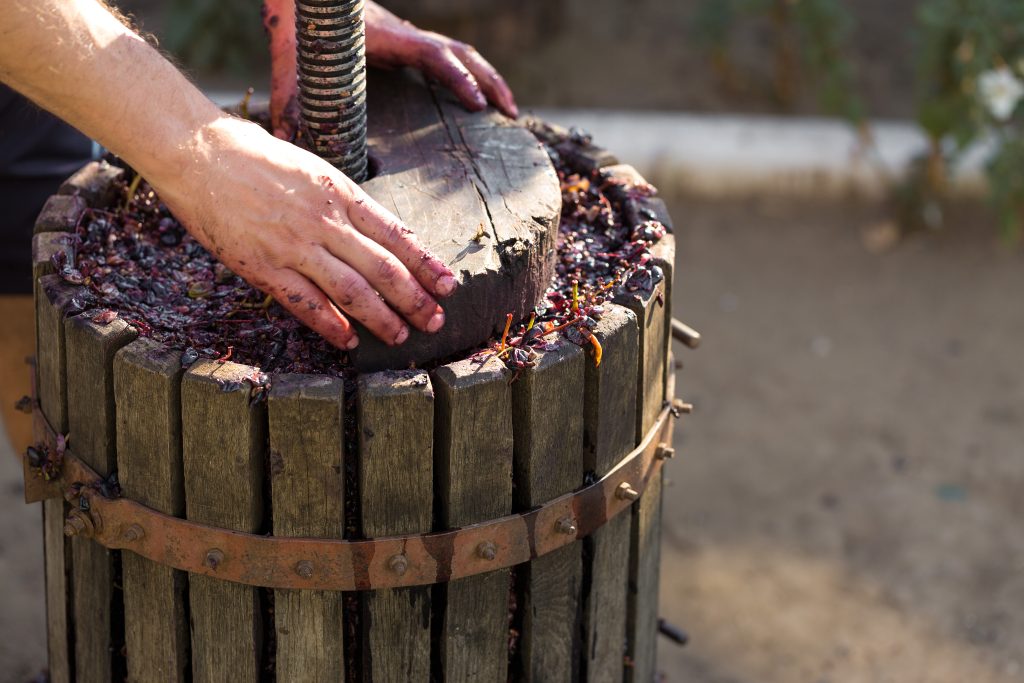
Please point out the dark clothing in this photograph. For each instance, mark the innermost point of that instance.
(37, 152)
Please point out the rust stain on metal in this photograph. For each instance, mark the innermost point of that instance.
(334, 564)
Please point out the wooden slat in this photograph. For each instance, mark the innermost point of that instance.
(98, 628)
(95, 183)
(51, 303)
(645, 546)
(396, 477)
(307, 435)
(223, 444)
(60, 213)
(473, 457)
(547, 425)
(147, 388)
(609, 430)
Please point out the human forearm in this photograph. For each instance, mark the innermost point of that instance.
(77, 60)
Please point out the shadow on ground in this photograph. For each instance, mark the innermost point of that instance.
(847, 503)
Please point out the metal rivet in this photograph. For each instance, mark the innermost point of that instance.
(664, 452)
(304, 568)
(565, 526)
(399, 564)
(133, 533)
(77, 523)
(486, 550)
(682, 406)
(626, 492)
(214, 557)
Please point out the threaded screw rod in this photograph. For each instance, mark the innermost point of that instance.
(331, 40)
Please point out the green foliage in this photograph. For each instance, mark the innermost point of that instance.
(969, 80)
(970, 59)
(217, 35)
(810, 37)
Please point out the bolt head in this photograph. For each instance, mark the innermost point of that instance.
(664, 452)
(304, 568)
(682, 406)
(566, 526)
(214, 558)
(133, 533)
(399, 564)
(487, 551)
(626, 492)
(79, 523)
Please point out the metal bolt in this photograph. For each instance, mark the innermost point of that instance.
(682, 406)
(78, 523)
(304, 568)
(626, 492)
(486, 550)
(332, 81)
(214, 557)
(664, 452)
(399, 564)
(565, 526)
(133, 533)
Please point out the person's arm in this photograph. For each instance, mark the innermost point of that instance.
(390, 42)
(285, 220)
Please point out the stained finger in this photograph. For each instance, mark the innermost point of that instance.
(389, 276)
(353, 294)
(441, 64)
(490, 81)
(310, 305)
(381, 226)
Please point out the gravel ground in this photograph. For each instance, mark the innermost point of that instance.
(846, 503)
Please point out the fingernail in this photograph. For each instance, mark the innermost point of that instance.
(402, 335)
(513, 111)
(352, 343)
(436, 321)
(445, 285)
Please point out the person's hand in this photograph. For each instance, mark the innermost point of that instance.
(390, 42)
(298, 229)
(393, 42)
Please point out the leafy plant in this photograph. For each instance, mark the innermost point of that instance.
(809, 43)
(969, 70)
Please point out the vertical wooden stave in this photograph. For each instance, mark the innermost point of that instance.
(147, 387)
(98, 625)
(396, 477)
(52, 305)
(653, 312)
(473, 460)
(610, 405)
(223, 449)
(307, 435)
(547, 425)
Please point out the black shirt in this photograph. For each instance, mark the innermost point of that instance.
(37, 152)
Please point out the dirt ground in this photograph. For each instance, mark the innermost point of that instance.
(847, 499)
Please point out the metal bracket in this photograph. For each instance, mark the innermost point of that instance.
(345, 565)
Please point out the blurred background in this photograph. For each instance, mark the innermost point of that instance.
(847, 183)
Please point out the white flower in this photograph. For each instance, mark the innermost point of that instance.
(1000, 92)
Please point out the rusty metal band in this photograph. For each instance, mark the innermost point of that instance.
(345, 565)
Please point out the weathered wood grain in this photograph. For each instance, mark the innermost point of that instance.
(645, 539)
(60, 213)
(473, 456)
(307, 434)
(396, 479)
(223, 449)
(96, 183)
(99, 629)
(638, 206)
(147, 390)
(547, 424)
(52, 301)
(480, 192)
(609, 432)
